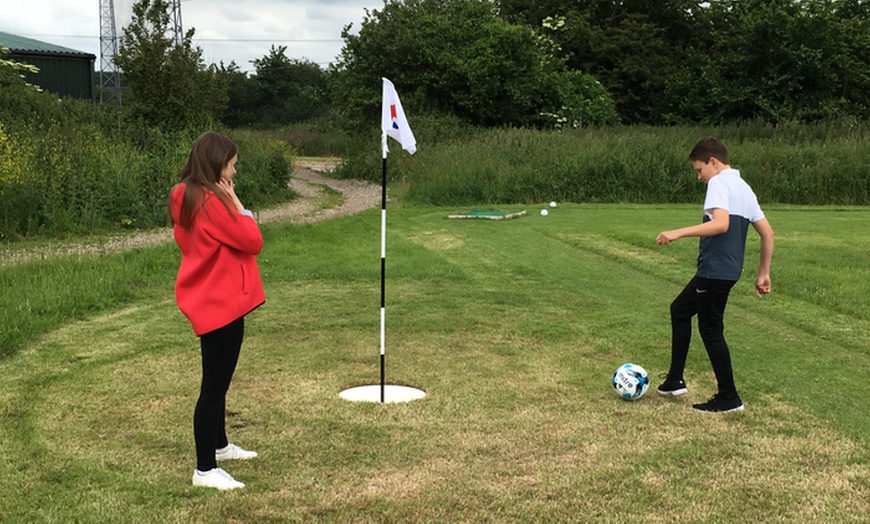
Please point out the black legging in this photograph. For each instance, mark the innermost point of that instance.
(706, 298)
(220, 353)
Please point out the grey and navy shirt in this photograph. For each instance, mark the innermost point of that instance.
(721, 256)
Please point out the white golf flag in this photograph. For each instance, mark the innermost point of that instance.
(393, 121)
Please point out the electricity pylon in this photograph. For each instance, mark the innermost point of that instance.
(175, 17)
(110, 76)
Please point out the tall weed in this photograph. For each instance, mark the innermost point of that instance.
(322, 139)
(823, 164)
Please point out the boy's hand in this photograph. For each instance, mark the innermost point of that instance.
(666, 237)
(762, 285)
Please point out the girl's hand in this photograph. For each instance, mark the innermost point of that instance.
(230, 189)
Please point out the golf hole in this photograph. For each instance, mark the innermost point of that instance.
(372, 393)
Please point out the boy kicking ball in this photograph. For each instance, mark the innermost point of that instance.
(730, 206)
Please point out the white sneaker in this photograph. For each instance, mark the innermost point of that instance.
(233, 452)
(216, 478)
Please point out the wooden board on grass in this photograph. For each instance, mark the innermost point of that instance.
(489, 215)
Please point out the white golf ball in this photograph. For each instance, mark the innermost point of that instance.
(552, 204)
(544, 212)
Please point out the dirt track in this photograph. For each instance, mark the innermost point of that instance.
(308, 180)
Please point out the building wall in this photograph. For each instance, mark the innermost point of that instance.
(64, 75)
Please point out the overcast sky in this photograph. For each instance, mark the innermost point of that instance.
(226, 30)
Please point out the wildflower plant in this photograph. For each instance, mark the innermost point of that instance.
(12, 71)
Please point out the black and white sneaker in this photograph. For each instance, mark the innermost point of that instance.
(673, 387)
(720, 404)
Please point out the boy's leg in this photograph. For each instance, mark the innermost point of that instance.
(711, 312)
(683, 308)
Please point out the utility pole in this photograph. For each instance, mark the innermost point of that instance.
(110, 75)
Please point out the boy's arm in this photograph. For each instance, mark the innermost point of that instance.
(716, 226)
(762, 281)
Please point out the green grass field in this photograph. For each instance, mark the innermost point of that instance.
(513, 329)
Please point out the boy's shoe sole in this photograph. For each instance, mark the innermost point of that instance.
(729, 410)
(673, 392)
(671, 387)
(720, 405)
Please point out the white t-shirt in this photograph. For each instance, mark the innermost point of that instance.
(721, 256)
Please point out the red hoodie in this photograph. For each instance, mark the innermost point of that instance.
(218, 280)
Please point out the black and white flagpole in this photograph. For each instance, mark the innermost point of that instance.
(383, 261)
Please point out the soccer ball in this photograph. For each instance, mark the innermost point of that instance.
(630, 381)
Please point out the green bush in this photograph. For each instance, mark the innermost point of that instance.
(264, 171)
(72, 180)
(76, 180)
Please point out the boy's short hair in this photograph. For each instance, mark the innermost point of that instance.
(707, 148)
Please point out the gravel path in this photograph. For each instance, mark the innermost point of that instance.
(307, 180)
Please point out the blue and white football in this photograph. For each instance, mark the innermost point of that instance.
(630, 381)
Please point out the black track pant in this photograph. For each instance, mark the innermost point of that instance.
(706, 298)
(220, 353)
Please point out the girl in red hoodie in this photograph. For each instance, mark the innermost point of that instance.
(218, 284)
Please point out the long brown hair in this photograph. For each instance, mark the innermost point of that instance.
(209, 156)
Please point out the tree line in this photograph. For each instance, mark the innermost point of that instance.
(542, 63)
(678, 61)
(537, 63)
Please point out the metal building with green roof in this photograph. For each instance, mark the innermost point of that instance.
(62, 70)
